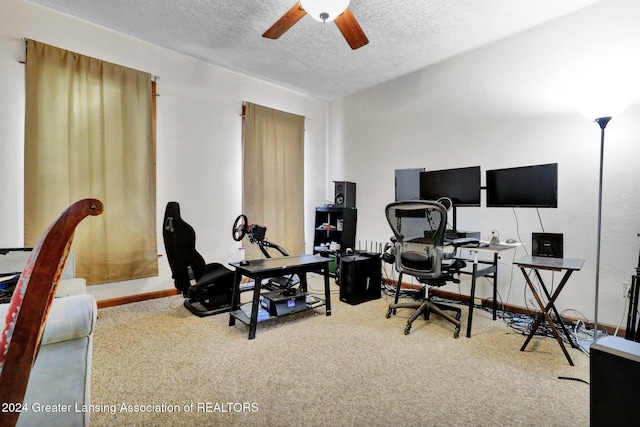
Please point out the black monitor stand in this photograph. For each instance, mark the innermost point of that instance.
(452, 234)
(454, 222)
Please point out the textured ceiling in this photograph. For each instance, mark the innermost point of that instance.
(314, 58)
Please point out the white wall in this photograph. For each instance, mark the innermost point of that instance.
(198, 139)
(514, 103)
(506, 104)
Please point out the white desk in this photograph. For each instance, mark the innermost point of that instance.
(491, 271)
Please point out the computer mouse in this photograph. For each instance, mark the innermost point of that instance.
(511, 241)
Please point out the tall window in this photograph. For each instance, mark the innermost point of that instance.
(89, 133)
(274, 176)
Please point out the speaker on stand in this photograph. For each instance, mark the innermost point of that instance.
(344, 194)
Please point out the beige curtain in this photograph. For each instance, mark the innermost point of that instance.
(89, 134)
(274, 177)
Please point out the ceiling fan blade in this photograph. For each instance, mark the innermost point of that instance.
(287, 20)
(351, 30)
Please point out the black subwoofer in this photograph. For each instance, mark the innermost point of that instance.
(360, 278)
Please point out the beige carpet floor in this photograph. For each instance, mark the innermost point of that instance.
(352, 368)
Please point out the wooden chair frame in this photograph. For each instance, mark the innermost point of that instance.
(22, 333)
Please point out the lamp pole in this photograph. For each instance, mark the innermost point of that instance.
(602, 122)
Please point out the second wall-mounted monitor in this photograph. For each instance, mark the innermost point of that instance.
(523, 187)
(461, 185)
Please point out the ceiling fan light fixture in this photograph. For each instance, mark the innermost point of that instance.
(324, 10)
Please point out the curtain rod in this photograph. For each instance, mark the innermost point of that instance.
(154, 77)
(244, 104)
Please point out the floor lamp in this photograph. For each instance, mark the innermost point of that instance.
(602, 122)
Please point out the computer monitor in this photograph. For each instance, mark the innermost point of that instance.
(461, 185)
(523, 187)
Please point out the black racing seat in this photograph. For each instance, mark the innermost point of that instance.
(206, 287)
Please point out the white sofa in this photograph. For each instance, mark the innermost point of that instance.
(60, 382)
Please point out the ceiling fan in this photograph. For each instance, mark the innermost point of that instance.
(322, 11)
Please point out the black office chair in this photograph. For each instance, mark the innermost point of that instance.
(206, 288)
(418, 228)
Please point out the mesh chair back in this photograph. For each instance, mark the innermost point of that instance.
(419, 227)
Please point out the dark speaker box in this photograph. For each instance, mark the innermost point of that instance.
(344, 194)
(360, 278)
(614, 366)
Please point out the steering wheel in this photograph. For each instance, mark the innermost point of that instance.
(240, 227)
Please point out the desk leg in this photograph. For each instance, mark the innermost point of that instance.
(303, 281)
(543, 315)
(495, 285)
(472, 296)
(327, 291)
(235, 296)
(551, 303)
(255, 307)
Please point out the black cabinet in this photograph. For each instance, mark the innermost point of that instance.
(337, 226)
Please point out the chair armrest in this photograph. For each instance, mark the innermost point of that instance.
(468, 242)
(68, 287)
(465, 241)
(70, 318)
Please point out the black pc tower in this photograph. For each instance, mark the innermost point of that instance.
(360, 278)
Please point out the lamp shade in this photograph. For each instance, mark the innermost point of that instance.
(607, 83)
(603, 104)
(324, 10)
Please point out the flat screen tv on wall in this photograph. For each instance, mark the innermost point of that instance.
(523, 187)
